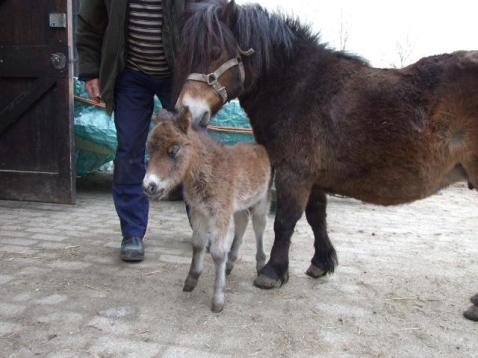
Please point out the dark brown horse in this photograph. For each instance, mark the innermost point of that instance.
(329, 121)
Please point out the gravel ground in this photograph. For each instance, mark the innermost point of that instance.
(405, 276)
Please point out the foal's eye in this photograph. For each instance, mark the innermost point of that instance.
(153, 147)
(173, 151)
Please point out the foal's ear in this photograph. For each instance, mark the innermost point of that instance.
(228, 13)
(184, 119)
(161, 115)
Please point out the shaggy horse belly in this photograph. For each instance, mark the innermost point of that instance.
(398, 185)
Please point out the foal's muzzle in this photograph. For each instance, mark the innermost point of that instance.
(152, 190)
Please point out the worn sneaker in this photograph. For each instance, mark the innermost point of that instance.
(132, 249)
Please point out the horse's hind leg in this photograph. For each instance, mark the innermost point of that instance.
(199, 241)
(291, 202)
(241, 219)
(472, 172)
(325, 257)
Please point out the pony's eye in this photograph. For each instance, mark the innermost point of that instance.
(173, 151)
(215, 53)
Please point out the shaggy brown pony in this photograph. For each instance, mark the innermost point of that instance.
(223, 185)
(330, 122)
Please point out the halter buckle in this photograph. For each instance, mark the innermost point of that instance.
(211, 78)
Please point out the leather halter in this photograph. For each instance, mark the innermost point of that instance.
(212, 78)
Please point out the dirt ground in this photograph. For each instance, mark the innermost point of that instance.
(405, 276)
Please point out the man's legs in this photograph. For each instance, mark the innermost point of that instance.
(133, 110)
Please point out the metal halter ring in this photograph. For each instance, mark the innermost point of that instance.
(212, 78)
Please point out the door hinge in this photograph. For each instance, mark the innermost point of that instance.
(58, 19)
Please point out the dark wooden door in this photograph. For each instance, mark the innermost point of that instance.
(36, 101)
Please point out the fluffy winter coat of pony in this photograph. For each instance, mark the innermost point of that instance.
(223, 186)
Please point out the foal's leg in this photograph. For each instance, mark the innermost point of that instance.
(241, 219)
(325, 257)
(259, 220)
(292, 195)
(199, 240)
(220, 245)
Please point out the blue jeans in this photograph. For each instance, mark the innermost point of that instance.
(134, 102)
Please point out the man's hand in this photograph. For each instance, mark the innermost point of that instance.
(93, 89)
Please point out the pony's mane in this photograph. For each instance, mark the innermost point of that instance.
(273, 36)
(201, 29)
(266, 32)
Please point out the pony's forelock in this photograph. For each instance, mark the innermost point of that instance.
(202, 30)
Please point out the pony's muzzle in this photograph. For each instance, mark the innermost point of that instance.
(205, 119)
(199, 109)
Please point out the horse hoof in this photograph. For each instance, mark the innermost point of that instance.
(217, 307)
(269, 278)
(229, 269)
(267, 283)
(474, 299)
(190, 284)
(188, 288)
(315, 272)
(471, 313)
